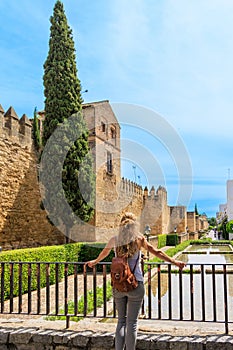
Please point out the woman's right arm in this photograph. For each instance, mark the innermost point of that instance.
(105, 252)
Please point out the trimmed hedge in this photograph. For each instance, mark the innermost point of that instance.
(74, 252)
(162, 241)
(90, 251)
(172, 239)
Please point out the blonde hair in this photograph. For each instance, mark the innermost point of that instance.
(127, 236)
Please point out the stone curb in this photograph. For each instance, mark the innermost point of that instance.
(34, 338)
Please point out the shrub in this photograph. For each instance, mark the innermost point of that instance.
(172, 239)
(73, 252)
(162, 241)
(229, 227)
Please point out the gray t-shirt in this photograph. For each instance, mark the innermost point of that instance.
(138, 269)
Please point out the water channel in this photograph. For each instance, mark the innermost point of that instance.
(196, 255)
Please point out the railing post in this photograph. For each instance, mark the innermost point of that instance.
(94, 291)
(105, 290)
(85, 290)
(2, 286)
(29, 288)
(159, 292)
(149, 290)
(67, 322)
(169, 293)
(203, 292)
(225, 298)
(191, 288)
(181, 294)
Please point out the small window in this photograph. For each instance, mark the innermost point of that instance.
(103, 127)
(113, 133)
(109, 163)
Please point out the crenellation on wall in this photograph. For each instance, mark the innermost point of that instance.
(25, 129)
(128, 186)
(155, 210)
(18, 130)
(1, 116)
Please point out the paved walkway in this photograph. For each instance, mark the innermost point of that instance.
(179, 328)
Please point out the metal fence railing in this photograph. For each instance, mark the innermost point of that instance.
(201, 292)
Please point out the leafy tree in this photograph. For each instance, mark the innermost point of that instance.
(229, 226)
(212, 221)
(63, 99)
(223, 228)
(36, 131)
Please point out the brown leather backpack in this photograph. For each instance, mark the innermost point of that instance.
(122, 278)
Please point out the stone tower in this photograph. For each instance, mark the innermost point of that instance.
(104, 142)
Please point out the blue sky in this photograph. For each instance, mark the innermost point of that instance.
(173, 57)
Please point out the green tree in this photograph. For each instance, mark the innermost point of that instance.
(62, 90)
(36, 131)
(229, 226)
(212, 221)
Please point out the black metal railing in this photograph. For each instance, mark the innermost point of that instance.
(202, 292)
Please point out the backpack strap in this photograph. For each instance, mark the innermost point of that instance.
(115, 251)
(136, 262)
(115, 246)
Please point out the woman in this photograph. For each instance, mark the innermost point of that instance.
(129, 242)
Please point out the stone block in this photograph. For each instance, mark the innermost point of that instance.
(43, 337)
(223, 342)
(63, 337)
(3, 347)
(21, 336)
(144, 341)
(197, 343)
(103, 340)
(4, 335)
(31, 346)
(179, 343)
(82, 339)
(161, 342)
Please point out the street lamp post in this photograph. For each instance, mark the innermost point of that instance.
(147, 234)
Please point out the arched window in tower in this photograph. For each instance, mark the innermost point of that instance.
(113, 134)
(103, 127)
(109, 163)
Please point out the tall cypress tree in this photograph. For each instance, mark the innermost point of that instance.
(195, 209)
(62, 88)
(36, 131)
(63, 99)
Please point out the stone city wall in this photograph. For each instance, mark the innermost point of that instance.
(22, 221)
(34, 339)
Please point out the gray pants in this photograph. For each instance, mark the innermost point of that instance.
(128, 307)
